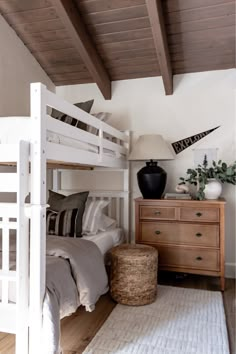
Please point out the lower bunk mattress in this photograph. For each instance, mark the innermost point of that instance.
(103, 240)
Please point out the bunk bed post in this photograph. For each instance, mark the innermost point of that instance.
(126, 205)
(126, 188)
(56, 180)
(38, 215)
(22, 247)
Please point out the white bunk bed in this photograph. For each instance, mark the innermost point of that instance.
(30, 143)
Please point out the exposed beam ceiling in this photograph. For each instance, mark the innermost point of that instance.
(124, 35)
(70, 17)
(160, 40)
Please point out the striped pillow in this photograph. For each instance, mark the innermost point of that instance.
(92, 216)
(59, 202)
(85, 106)
(62, 223)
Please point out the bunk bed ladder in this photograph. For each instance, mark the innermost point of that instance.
(38, 216)
(15, 315)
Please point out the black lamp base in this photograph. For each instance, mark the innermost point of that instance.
(152, 180)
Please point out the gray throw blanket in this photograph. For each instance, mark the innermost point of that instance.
(87, 266)
(75, 275)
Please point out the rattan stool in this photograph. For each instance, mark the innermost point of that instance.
(133, 274)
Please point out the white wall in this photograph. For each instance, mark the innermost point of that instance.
(18, 69)
(201, 101)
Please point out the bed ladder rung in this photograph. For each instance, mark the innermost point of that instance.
(8, 275)
(8, 225)
(8, 210)
(8, 182)
(8, 318)
(9, 152)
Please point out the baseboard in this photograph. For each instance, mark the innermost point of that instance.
(230, 270)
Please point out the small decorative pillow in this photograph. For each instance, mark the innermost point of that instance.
(59, 202)
(62, 223)
(106, 223)
(103, 116)
(92, 215)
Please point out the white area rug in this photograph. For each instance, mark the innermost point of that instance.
(181, 321)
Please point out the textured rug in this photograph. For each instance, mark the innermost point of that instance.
(181, 321)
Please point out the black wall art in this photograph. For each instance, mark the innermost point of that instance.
(183, 144)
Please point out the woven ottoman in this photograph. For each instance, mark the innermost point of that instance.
(133, 278)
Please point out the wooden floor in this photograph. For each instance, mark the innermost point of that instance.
(78, 329)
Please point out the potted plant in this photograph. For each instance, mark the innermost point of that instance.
(209, 179)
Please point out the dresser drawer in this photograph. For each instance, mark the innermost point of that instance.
(157, 213)
(180, 233)
(199, 214)
(189, 258)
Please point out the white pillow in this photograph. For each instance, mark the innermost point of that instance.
(106, 223)
(103, 116)
(92, 216)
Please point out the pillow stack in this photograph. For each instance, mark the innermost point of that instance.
(85, 106)
(74, 216)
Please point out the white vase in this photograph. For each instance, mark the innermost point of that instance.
(212, 189)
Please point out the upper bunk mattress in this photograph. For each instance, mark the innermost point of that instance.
(19, 128)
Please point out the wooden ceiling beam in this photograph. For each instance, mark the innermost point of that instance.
(70, 17)
(160, 40)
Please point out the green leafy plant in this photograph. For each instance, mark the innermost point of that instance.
(199, 176)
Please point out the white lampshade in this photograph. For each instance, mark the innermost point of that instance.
(151, 147)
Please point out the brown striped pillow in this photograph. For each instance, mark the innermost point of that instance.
(62, 223)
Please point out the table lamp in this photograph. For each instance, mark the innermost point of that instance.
(151, 178)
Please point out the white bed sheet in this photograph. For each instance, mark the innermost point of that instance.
(107, 239)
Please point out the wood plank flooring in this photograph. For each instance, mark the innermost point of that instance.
(78, 329)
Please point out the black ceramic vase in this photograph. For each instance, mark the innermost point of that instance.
(152, 180)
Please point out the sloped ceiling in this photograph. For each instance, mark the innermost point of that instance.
(84, 41)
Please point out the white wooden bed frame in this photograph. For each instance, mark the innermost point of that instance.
(24, 318)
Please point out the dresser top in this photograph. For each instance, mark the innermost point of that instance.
(185, 202)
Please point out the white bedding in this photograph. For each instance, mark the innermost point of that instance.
(107, 239)
(9, 134)
(104, 240)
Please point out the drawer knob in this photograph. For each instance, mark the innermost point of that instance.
(157, 212)
(157, 232)
(198, 234)
(199, 214)
(198, 258)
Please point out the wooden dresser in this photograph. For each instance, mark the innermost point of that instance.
(189, 234)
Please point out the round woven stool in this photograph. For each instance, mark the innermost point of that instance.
(133, 274)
